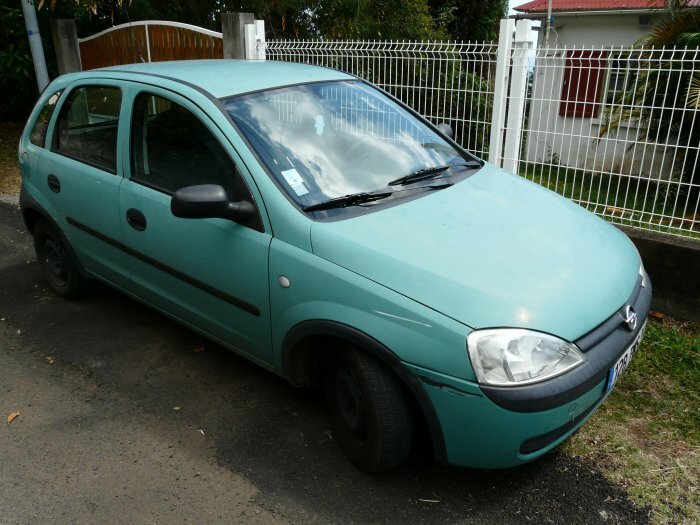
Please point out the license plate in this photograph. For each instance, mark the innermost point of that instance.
(618, 368)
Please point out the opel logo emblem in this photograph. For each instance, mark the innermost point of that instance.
(630, 317)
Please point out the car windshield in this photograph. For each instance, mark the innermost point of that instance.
(326, 140)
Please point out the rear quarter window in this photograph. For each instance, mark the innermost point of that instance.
(38, 134)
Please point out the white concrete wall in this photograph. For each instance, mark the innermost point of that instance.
(597, 30)
(575, 142)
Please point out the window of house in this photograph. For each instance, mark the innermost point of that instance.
(171, 149)
(38, 134)
(86, 129)
(583, 83)
(621, 79)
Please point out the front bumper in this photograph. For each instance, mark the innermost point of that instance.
(498, 427)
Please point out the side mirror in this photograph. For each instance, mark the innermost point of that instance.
(209, 201)
(446, 129)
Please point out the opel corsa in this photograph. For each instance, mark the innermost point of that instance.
(315, 225)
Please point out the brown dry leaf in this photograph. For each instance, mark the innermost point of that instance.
(656, 315)
(12, 417)
(199, 349)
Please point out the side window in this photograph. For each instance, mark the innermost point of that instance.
(87, 126)
(38, 133)
(171, 148)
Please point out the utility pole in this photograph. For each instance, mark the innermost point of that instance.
(548, 27)
(42, 76)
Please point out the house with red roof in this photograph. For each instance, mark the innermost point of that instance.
(597, 22)
(589, 62)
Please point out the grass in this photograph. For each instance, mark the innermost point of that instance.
(9, 171)
(623, 199)
(646, 436)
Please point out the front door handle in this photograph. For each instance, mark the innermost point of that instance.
(136, 219)
(54, 183)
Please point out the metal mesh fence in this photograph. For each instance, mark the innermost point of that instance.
(444, 81)
(616, 130)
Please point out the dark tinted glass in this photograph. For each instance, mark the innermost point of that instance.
(38, 134)
(172, 148)
(87, 127)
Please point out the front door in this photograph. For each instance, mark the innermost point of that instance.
(209, 273)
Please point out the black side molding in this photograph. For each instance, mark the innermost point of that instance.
(321, 327)
(235, 301)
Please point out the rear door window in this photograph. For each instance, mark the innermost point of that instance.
(86, 129)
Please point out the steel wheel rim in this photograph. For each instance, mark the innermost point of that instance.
(55, 261)
(350, 401)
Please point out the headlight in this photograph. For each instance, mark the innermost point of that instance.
(511, 357)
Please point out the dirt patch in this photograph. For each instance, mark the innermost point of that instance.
(9, 170)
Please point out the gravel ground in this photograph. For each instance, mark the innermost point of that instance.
(127, 417)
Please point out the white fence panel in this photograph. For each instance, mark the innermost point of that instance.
(615, 130)
(444, 81)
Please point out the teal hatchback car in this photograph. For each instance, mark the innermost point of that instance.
(310, 222)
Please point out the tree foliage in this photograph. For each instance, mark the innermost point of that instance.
(664, 92)
(284, 19)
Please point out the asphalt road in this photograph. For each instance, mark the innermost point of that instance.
(127, 417)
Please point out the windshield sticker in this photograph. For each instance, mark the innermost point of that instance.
(295, 181)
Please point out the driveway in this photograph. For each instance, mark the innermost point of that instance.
(127, 417)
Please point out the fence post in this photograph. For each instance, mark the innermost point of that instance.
(233, 31)
(65, 42)
(260, 41)
(505, 43)
(516, 98)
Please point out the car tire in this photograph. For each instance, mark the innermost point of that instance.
(372, 417)
(56, 262)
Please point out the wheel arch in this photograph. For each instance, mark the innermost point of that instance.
(300, 349)
(33, 212)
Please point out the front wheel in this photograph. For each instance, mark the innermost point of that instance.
(55, 261)
(370, 412)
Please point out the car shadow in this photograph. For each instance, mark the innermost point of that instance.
(278, 436)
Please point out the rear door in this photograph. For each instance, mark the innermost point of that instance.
(81, 175)
(209, 273)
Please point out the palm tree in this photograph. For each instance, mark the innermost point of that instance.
(665, 97)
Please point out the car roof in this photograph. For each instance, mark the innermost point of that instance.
(225, 78)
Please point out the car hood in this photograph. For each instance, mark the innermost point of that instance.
(492, 250)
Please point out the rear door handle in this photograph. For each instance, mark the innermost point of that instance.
(54, 183)
(136, 219)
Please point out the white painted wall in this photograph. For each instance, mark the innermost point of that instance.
(597, 30)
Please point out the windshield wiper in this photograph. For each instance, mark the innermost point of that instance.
(429, 173)
(348, 200)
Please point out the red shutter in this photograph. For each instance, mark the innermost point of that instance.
(584, 76)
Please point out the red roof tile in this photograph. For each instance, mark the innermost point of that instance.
(540, 6)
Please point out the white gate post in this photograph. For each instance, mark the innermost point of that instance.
(249, 35)
(505, 43)
(260, 40)
(518, 91)
(255, 40)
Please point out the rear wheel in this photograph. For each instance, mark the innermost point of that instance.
(372, 417)
(55, 261)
